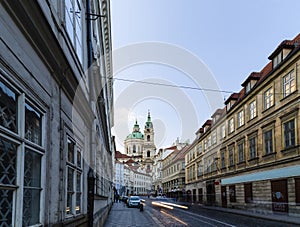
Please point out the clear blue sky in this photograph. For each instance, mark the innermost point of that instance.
(231, 38)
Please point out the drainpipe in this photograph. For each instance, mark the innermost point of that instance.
(90, 176)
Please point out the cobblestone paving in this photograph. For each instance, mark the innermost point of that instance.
(120, 215)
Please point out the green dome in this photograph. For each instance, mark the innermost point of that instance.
(135, 135)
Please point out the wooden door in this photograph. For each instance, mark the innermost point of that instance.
(279, 196)
(224, 196)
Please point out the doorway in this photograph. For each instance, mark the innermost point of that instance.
(224, 196)
(279, 196)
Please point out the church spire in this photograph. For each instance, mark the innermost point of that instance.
(149, 122)
(136, 127)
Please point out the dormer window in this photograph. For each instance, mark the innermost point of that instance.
(248, 87)
(251, 81)
(281, 52)
(206, 125)
(277, 59)
(216, 116)
(228, 106)
(231, 101)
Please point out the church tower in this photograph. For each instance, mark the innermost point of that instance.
(149, 148)
(133, 143)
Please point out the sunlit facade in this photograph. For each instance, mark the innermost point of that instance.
(247, 157)
(173, 173)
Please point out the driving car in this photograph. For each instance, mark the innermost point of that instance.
(134, 201)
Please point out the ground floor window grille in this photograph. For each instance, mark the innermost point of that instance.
(11, 157)
(74, 178)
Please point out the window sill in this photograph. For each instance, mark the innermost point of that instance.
(289, 95)
(290, 150)
(252, 119)
(253, 160)
(241, 165)
(268, 109)
(269, 155)
(223, 169)
(240, 126)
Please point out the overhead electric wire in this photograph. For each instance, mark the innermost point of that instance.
(180, 86)
(171, 85)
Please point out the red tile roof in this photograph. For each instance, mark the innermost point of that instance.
(118, 154)
(217, 112)
(288, 44)
(233, 96)
(252, 76)
(171, 148)
(207, 123)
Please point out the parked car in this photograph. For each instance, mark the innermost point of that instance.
(134, 201)
(125, 199)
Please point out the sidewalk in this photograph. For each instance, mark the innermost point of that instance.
(284, 218)
(121, 215)
(275, 217)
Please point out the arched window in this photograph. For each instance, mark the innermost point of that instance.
(148, 138)
(148, 154)
(134, 149)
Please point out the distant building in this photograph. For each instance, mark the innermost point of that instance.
(136, 179)
(173, 173)
(119, 178)
(159, 165)
(248, 155)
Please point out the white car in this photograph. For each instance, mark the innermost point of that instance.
(134, 201)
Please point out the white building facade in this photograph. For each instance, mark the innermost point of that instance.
(56, 108)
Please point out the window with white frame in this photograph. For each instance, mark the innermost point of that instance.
(214, 164)
(268, 98)
(74, 178)
(231, 156)
(248, 87)
(209, 141)
(241, 154)
(289, 83)
(268, 141)
(252, 147)
(214, 137)
(23, 119)
(277, 59)
(252, 109)
(199, 169)
(73, 22)
(231, 125)
(223, 131)
(223, 161)
(205, 145)
(199, 148)
(289, 133)
(240, 118)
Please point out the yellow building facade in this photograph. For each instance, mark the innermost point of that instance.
(248, 155)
